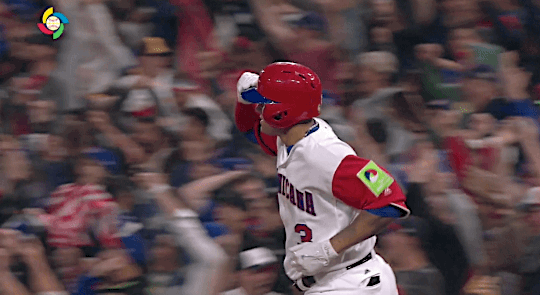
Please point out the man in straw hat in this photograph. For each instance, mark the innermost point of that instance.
(149, 85)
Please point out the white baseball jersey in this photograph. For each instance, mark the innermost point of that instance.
(323, 185)
(317, 176)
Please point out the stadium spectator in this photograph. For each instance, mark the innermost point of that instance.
(257, 272)
(414, 272)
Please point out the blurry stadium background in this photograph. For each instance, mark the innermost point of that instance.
(139, 95)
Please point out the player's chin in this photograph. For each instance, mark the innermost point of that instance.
(267, 129)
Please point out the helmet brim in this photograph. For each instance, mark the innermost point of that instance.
(253, 96)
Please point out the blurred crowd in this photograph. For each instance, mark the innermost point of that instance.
(122, 171)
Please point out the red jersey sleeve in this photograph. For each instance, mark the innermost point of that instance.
(247, 120)
(267, 142)
(245, 116)
(364, 185)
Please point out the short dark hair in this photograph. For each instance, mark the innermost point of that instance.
(198, 114)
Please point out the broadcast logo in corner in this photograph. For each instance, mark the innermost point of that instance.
(52, 23)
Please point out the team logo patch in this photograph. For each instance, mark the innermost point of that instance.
(375, 178)
(372, 175)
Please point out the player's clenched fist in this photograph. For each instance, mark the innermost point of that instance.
(247, 81)
(308, 259)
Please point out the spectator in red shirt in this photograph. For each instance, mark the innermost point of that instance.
(79, 212)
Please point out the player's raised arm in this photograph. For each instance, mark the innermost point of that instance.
(245, 115)
(247, 118)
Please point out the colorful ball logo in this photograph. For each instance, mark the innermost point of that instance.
(52, 23)
(371, 175)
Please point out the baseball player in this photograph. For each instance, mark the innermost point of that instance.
(331, 201)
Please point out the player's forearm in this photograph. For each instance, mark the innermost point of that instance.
(363, 227)
(245, 116)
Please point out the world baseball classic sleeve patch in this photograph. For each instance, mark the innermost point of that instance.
(376, 179)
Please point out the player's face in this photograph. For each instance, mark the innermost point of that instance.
(265, 128)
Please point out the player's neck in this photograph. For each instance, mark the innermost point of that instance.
(296, 133)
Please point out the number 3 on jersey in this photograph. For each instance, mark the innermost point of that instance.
(304, 231)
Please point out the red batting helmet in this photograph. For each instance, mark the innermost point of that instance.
(291, 93)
